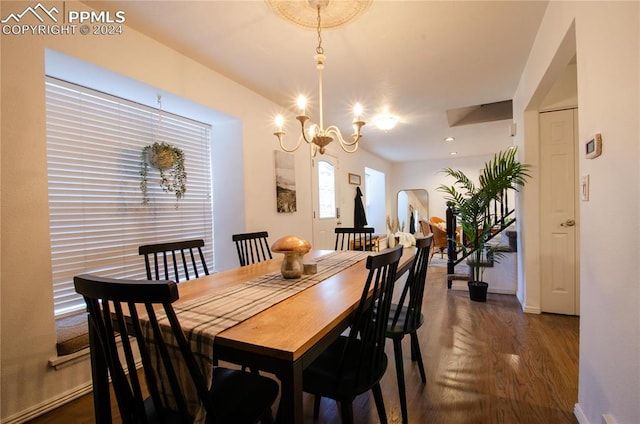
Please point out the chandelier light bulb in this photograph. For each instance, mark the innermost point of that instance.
(357, 111)
(302, 104)
(279, 122)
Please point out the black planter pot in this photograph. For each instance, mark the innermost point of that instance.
(478, 291)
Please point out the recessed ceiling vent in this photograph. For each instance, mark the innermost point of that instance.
(488, 112)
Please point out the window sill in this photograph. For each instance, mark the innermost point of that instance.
(72, 334)
(60, 362)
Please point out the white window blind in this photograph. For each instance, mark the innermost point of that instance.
(96, 216)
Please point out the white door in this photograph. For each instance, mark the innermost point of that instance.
(326, 212)
(558, 212)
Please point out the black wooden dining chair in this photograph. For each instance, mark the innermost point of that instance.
(233, 397)
(354, 364)
(406, 317)
(252, 247)
(350, 238)
(176, 261)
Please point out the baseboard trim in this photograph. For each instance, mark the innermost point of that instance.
(501, 291)
(49, 405)
(532, 310)
(462, 286)
(55, 402)
(577, 411)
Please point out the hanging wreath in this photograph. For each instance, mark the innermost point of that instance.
(169, 160)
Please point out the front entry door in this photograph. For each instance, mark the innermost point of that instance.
(326, 213)
(558, 212)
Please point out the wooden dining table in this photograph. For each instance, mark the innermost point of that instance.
(286, 337)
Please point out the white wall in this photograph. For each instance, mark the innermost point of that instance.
(229, 212)
(605, 36)
(564, 93)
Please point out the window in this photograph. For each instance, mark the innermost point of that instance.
(96, 216)
(326, 189)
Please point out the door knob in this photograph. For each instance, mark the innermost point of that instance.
(568, 223)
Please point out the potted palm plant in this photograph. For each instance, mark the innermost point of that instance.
(472, 203)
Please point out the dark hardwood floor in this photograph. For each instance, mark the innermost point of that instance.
(485, 362)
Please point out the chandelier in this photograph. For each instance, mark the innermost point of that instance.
(316, 135)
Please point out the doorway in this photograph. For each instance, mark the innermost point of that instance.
(326, 213)
(375, 200)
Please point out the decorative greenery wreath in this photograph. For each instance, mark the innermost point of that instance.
(169, 160)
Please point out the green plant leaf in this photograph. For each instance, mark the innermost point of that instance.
(472, 202)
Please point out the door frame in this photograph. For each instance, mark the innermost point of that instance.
(544, 264)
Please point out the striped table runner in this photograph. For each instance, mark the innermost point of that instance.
(203, 318)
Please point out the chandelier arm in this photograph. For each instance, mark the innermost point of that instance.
(336, 131)
(349, 150)
(303, 119)
(343, 143)
(280, 135)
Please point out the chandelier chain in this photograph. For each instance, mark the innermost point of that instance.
(157, 129)
(319, 49)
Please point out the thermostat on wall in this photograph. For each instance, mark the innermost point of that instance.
(593, 147)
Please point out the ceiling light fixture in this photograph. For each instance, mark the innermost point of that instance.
(316, 135)
(385, 121)
(449, 138)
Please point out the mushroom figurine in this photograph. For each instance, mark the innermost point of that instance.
(294, 248)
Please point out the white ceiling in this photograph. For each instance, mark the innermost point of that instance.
(418, 58)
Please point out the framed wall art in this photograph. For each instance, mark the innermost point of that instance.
(285, 182)
(354, 179)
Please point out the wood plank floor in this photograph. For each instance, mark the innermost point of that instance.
(485, 363)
